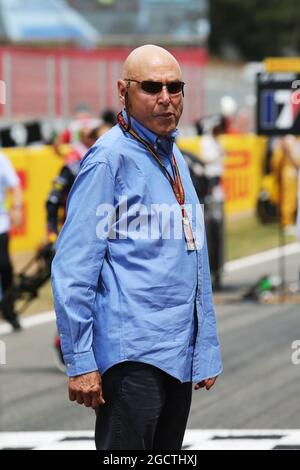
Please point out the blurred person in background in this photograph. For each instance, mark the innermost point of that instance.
(285, 163)
(108, 120)
(9, 186)
(228, 108)
(109, 117)
(128, 308)
(212, 155)
(63, 182)
(83, 119)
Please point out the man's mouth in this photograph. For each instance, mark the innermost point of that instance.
(165, 115)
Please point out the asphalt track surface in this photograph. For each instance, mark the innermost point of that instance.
(259, 388)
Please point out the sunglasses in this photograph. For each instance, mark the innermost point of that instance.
(153, 88)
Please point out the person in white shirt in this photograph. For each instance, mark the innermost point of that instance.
(9, 182)
(212, 155)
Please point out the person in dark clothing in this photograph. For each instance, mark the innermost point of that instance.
(62, 184)
(58, 197)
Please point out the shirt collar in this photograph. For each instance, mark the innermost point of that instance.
(155, 140)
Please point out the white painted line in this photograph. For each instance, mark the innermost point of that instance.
(29, 322)
(35, 320)
(5, 329)
(260, 258)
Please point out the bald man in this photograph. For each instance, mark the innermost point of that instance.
(131, 279)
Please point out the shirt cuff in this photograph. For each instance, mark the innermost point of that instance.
(79, 364)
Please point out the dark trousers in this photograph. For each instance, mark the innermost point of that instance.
(146, 409)
(6, 277)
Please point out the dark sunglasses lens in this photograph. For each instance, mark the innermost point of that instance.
(151, 87)
(156, 87)
(175, 87)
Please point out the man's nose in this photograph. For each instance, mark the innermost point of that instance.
(164, 96)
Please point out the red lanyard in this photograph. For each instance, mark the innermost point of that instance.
(175, 183)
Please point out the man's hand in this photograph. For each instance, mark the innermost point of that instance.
(86, 389)
(207, 383)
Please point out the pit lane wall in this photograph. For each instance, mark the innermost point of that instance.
(38, 166)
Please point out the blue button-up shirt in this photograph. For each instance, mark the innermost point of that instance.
(123, 291)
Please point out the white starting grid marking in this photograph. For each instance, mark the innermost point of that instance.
(29, 322)
(195, 439)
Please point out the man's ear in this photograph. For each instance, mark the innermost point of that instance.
(122, 91)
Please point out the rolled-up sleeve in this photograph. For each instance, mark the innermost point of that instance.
(76, 268)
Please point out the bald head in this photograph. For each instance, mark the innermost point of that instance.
(159, 108)
(142, 60)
